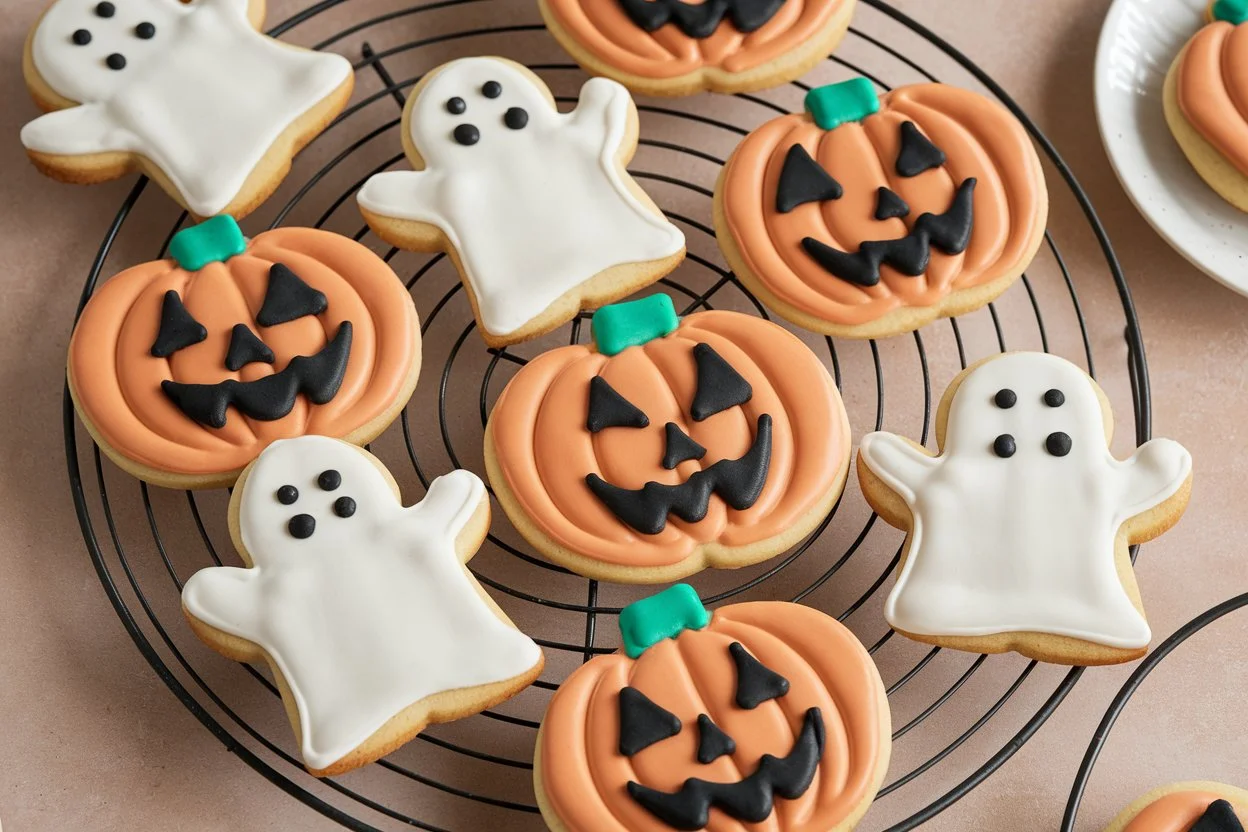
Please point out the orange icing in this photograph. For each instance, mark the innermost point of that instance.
(1174, 812)
(1213, 89)
(545, 451)
(603, 29)
(979, 138)
(117, 380)
(584, 775)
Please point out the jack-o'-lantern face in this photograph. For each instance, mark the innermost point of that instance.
(873, 214)
(722, 720)
(187, 368)
(669, 447)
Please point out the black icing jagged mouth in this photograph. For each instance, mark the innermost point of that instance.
(748, 800)
(272, 397)
(950, 232)
(738, 481)
(700, 20)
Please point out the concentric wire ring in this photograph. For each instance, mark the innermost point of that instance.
(476, 772)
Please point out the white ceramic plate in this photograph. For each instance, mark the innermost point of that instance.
(1138, 41)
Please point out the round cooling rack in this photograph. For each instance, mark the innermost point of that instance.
(957, 716)
(1128, 690)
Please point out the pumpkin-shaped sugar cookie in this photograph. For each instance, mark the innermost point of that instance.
(764, 715)
(668, 445)
(1186, 807)
(184, 369)
(871, 215)
(678, 47)
(1206, 100)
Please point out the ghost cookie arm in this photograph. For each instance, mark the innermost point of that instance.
(78, 131)
(403, 194)
(1154, 473)
(604, 108)
(226, 598)
(901, 465)
(448, 508)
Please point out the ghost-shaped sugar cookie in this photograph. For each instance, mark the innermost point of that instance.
(534, 206)
(190, 94)
(362, 607)
(1019, 530)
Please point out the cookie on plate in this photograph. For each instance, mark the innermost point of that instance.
(190, 94)
(1186, 807)
(534, 206)
(668, 445)
(871, 215)
(1018, 531)
(674, 47)
(362, 608)
(765, 712)
(184, 369)
(1206, 101)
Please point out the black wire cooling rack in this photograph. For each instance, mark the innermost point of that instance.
(957, 717)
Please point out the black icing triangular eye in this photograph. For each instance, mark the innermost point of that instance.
(713, 743)
(888, 205)
(719, 386)
(643, 723)
(1218, 817)
(755, 682)
(178, 329)
(246, 348)
(802, 181)
(288, 298)
(917, 153)
(679, 447)
(608, 409)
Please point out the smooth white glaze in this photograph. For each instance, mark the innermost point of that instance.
(369, 614)
(533, 212)
(1024, 543)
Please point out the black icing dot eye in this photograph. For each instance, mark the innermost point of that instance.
(344, 506)
(1005, 398)
(492, 89)
(1054, 398)
(116, 61)
(287, 494)
(329, 480)
(302, 526)
(1003, 446)
(145, 30)
(467, 134)
(82, 37)
(516, 118)
(105, 9)
(1058, 443)
(456, 106)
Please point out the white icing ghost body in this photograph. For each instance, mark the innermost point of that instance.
(536, 204)
(1022, 541)
(369, 613)
(203, 97)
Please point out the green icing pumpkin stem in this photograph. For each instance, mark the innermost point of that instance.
(1232, 11)
(837, 104)
(622, 325)
(214, 240)
(667, 614)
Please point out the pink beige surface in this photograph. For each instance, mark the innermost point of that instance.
(91, 739)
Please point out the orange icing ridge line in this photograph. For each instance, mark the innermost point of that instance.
(1212, 89)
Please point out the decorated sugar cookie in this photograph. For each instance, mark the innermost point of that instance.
(1186, 807)
(1206, 100)
(677, 47)
(669, 444)
(533, 205)
(763, 715)
(184, 369)
(1019, 529)
(872, 215)
(363, 608)
(189, 93)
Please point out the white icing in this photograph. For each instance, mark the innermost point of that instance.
(204, 99)
(372, 612)
(532, 212)
(1024, 543)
